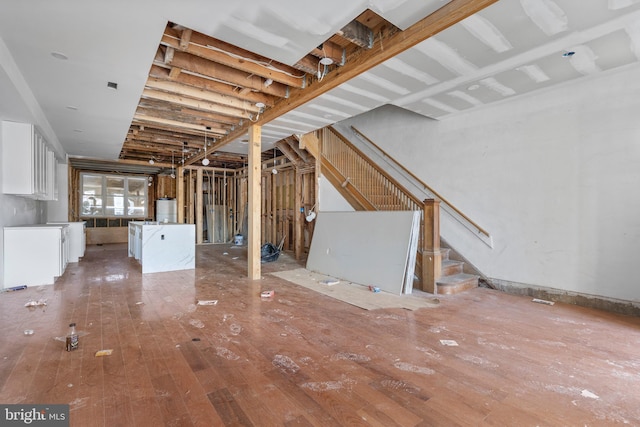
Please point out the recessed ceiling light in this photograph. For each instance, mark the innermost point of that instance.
(59, 55)
(326, 61)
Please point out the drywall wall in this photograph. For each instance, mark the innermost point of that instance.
(369, 248)
(552, 176)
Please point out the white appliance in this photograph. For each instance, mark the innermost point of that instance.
(166, 210)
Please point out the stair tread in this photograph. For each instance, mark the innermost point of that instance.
(455, 279)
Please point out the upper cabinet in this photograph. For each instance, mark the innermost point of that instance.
(28, 164)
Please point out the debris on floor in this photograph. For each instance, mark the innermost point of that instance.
(587, 393)
(450, 343)
(15, 288)
(329, 282)
(267, 294)
(374, 289)
(207, 302)
(34, 303)
(101, 353)
(28, 332)
(542, 301)
(196, 323)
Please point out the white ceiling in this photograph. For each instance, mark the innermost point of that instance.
(509, 49)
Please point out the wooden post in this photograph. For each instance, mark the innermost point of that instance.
(298, 218)
(431, 255)
(199, 228)
(253, 238)
(180, 193)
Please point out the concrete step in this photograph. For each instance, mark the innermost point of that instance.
(456, 283)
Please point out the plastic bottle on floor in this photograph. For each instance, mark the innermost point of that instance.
(72, 338)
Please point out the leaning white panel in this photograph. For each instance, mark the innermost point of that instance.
(369, 248)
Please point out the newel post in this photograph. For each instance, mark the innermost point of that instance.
(431, 255)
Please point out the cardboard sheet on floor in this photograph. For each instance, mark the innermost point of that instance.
(372, 248)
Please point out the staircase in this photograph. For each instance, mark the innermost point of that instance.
(366, 186)
(453, 278)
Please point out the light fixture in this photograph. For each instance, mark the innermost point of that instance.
(173, 171)
(151, 161)
(260, 104)
(326, 61)
(268, 82)
(205, 161)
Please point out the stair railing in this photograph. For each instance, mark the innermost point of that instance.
(429, 193)
(362, 177)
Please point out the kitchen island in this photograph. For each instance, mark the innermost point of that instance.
(160, 246)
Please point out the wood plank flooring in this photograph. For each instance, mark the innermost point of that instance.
(304, 359)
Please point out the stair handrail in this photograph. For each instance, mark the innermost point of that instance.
(426, 186)
(419, 203)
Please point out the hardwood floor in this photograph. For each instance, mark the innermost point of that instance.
(305, 359)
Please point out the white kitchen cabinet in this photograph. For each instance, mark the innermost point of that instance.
(77, 239)
(28, 164)
(35, 254)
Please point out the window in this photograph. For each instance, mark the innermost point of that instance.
(113, 196)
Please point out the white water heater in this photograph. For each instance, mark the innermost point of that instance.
(166, 210)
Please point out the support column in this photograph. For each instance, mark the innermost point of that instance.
(199, 228)
(254, 215)
(431, 255)
(180, 194)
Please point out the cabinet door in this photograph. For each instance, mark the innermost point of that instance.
(18, 158)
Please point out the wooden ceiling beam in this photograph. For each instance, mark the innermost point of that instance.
(363, 60)
(210, 85)
(295, 146)
(196, 104)
(332, 51)
(165, 109)
(289, 153)
(139, 118)
(220, 52)
(224, 73)
(200, 94)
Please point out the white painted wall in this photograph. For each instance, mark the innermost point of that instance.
(554, 177)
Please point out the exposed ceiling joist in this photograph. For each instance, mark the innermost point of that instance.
(363, 60)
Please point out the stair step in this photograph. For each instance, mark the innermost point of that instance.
(456, 283)
(450, 267)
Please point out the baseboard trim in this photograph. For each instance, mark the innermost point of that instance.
(630, 308)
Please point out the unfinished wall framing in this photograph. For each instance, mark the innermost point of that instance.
(218, 205)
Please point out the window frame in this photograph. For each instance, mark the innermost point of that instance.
(99, 206)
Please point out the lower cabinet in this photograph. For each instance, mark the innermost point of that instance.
(35, 254)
